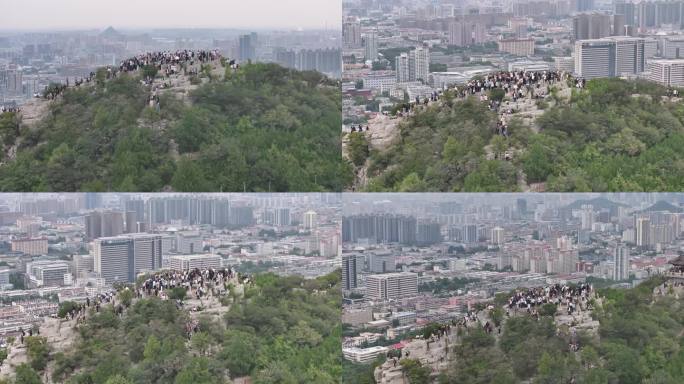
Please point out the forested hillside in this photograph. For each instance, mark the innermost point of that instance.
(260, 128)
(614, 135)
(639, 340)
(279, 330)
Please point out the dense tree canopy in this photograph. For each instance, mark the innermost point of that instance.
(261, 128)
(615, 135)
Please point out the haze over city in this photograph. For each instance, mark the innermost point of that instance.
(88, 14)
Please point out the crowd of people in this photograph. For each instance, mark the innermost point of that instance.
(168, 62)
(198, 282)
(9, 109)
(569, 297)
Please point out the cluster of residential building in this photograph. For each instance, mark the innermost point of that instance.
(399, 51)
(394, 284)
(74, 246)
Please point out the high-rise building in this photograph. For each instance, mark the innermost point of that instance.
(282, 217)
(121, 258)
(673, 47)
(428, 233)
(83, 264)
(413, 66)
(402, 68)
(584, 5)
(351, 32)
(188, 242)
(392, 285)
(619, 26)
(611, 56)
(310, 220)
(587, 217)
(463, 33)
(497, 236)
(370, 43)
(247, 47)
(470, 234)
(591, 26)
(381, 228)
(669, 73)
(620, 262)
(104, 224)
(643, 231)
(419, 64)
(48, 273)
(627, 9)
(351, 266)
(382, 263)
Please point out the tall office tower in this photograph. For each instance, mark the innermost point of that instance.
(188, 242)
(371, 45)
(591, 26)
(104, 224)
(247, 47)
(627, 9)
(470, 234)
(428, 233)
(121, 258)
(402, 68)
(392, 286)
(350, 269)
(310, 220)
(382, 263)
(629, 55)
(620, 262)
(497, 236)
(643, 232)
(595, 58)
(419, 64)
(619, 26)
(282, 217)
(351, 32)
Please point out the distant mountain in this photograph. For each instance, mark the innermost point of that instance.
(663, 206)
(597, 203)
(111, 33)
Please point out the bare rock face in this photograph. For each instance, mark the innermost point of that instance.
(33, 111)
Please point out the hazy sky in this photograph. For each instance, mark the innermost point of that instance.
(240, 14)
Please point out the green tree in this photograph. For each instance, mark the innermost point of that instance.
(38, 351)
(26, 375)
(358, 148)
(189, 177)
